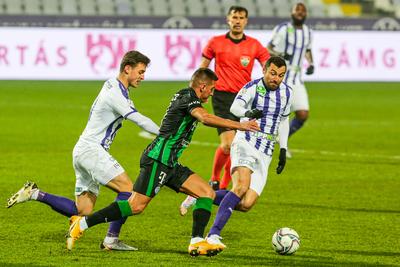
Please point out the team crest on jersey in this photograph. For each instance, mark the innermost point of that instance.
(244, 60)
(261, 90)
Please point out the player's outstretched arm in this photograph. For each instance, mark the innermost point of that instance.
(211, 120)
(144, 122)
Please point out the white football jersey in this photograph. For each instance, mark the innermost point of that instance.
(110, 108)
(287, 39)
(275, 104)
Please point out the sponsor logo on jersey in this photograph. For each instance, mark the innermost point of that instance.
(194, 103)
(261, 90)
(244, 60)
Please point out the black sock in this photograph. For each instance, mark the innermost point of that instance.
(200, 221)
(108, 214)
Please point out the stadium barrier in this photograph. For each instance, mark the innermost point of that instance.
(94, 54)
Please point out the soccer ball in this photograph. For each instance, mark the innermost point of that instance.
(286, 241)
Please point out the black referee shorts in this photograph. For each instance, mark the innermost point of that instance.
(222, 102)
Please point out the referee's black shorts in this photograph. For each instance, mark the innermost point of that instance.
(221, 102)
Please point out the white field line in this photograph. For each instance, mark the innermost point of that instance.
(147, 135)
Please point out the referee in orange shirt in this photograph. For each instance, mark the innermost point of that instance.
(234, 54)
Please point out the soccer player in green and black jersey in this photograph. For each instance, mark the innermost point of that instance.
(159, 165)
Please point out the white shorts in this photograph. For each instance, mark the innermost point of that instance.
(300, 97)
(93, 166)
(243, 154)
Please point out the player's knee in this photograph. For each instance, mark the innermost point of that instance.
(208, 192)
(245, 206)
(240, 190)
(137, 209)
(226, 148)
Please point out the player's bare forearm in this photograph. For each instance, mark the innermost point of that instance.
(214, 121)
(205, 62)
(309, 57)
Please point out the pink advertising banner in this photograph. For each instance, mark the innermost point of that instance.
(94, 54)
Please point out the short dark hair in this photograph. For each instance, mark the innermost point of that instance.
(202, 75)
(132, 58)
(238, 9)
(276, 60)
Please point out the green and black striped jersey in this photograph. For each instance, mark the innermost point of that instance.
(176, 130)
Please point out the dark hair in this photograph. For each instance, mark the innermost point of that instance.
(202, 75)
(276, 60)
(132, 58)
(299, 4)
(238, 9)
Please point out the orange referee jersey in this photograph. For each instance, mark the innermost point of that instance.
(234, 60)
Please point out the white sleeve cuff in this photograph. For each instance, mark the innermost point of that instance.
(143, 122)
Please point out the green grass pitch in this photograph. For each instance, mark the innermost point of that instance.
(340, 191)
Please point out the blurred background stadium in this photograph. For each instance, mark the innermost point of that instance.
(198, 8)
(340, 191)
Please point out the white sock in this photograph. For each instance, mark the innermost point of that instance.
(83, 224)
(110, 239)
(196, 240)
(35, 194)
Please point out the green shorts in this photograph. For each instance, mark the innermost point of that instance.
(153, 175)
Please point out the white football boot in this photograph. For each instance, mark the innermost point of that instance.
(118, 245)
(23, 195)
(216, 240)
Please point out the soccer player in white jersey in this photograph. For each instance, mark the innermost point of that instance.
(267, 100)
(92, 162)
(292, 41)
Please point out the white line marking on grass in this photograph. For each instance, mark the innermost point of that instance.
(344, 154)
(147, 135)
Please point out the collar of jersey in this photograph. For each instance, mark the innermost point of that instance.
(121, 84)
(235, 40)
(193, 92)
(266, 87)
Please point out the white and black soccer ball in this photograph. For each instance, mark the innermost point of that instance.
(286, 241)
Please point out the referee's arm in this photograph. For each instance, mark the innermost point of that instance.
(205, 62)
